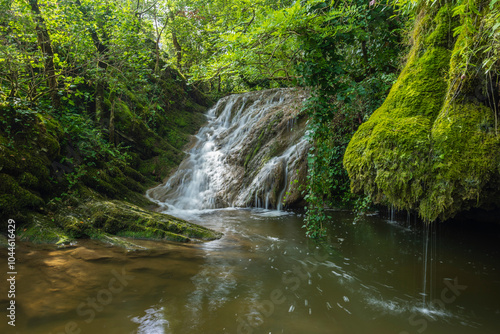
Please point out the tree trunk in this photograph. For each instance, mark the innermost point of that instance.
(99, 103)
(45, 44)
(178, 49)
(175, 41)
(102, 51)
(365, 53)
(158, 38)
(112, 123)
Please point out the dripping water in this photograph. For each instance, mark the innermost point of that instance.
(425, 251)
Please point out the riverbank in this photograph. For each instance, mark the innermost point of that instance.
(63, 177)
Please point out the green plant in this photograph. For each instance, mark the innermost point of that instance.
(350, 73)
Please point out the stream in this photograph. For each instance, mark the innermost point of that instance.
(265, 276)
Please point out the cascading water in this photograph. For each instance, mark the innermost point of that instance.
(247, 154)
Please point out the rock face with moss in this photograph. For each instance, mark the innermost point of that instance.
(434, 145)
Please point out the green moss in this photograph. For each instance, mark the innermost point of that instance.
(115, 183)
(43, 230)
(392, 147)
(444, 22)
(120, 242)
(75, 225)
(466, 154)
(97, 219)
(180, 121)
(196, 107)
(28, 179)
(387, 156)
(14, 198)
(50, 132)
(256, 149)
(419, 151)
(133, 174)
(159, 167)
(102, 220)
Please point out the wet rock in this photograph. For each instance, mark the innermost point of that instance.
(104, 219)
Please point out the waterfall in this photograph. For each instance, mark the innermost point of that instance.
(244, 155)
(282, 193)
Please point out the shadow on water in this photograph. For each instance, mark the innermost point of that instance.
(264, 276)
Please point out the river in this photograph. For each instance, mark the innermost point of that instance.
(265, 276)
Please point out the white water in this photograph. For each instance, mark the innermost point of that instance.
(214, 175)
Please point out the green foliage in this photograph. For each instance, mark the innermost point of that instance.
(345, 51)
(95, 85)
(231, 46)
(351, 66)
(82, 103)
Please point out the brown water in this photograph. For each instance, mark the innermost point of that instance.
(264, 276)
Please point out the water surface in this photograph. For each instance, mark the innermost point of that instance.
(264, 276)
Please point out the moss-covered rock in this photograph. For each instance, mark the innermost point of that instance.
(430, 147)
(120, 218)
(42, 229)
(105, 220)
(13, 196)
(160, 166)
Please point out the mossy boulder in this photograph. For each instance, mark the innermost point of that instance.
(104, 219)
(42, 229)
(124, 219)
(432, 147)
(117, 182)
